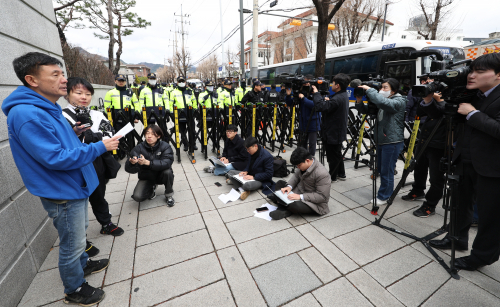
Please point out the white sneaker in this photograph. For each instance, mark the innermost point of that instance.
(379, 202)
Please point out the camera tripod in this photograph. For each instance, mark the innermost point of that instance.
(450, 197)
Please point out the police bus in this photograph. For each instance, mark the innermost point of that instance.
(362, 60)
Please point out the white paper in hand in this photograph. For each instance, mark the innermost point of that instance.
(125, 130)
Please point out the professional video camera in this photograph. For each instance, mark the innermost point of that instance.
(83, 116)
(296, 82)
(375, 83)
(322, 85)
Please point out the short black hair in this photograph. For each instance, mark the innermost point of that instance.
(156, 130)
(250, 141)
(299, 155)
(232, 128)
(343, 80)
(76, 81)
(29, 64)
(487, 62)
(273, 86)
(393, 83)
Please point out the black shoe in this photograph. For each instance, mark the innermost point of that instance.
(170, 201)
(342, 177)
(112, 229)
(91, 250)
(413, 196)
(154, 193)
(95, 266)
(185, 148)
(424, 211)
(466, 263)
(279, 214)
(195, 147)
(85, 295)
(445, 243)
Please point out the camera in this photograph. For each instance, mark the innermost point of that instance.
(83, 116)
(322, 85)
(375, 83)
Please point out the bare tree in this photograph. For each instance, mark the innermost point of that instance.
(435, 12)
(102, 15)
(66, 12)
(183, 62)
(231, 57)
(303, 44)
(88, 67)
(207, 69)
(325, 14)
(167, 72)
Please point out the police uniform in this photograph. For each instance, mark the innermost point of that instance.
(181, 98)
(118, 99)
(152, 97)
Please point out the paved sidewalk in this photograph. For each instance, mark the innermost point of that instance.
(202, 252)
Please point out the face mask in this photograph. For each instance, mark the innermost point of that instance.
(152, 82)
(210, 88)
(181, 84)
(385, 94)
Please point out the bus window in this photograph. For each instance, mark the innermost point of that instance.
(309, 68)
(403, 72)
(328, 70)
(296, 69)
(266, 75)
(356, 65)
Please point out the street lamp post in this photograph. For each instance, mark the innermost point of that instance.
(255, 42)
(385, 18)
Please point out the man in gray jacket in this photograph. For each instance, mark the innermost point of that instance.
(310, 185)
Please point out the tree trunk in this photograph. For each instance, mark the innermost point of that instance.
(120, 45)
(321, 48)
(436, 21)
(62, 37)
(111, 36)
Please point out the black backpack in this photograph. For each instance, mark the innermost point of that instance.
(280, 169)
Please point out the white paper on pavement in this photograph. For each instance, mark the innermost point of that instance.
(125, 130)
(265, 214)
(231, 196)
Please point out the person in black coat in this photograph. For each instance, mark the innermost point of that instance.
(234, 154)
(478, 167)
(260, 170)
(309, 118)
(255, 96)
(152, 159)
(335, 111)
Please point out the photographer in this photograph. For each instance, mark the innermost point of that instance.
(152, 159)
(309, 120)
(477, 163)
(389, 131)
(433, 107)
(335, 111)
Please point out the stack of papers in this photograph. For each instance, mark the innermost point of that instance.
(265, 214)
(231, 196)
(217, 161)
(240, 179)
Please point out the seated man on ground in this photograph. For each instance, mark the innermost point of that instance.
(152, 159)
(259, 169)
(310, 186)
(235, 153)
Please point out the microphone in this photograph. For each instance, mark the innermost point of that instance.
(355, 83)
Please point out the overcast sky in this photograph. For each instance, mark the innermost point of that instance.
(477, 18)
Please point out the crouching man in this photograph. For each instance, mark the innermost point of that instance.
(259, 170)
(152, 159)
(310, 186)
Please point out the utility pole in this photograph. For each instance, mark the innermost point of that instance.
(242, 42)
(385, 15)
(255, 43)
(222, 38)
(182, 25)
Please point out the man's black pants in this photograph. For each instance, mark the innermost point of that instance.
(486, 246)
(334, 158)
(145, 188)
(429, 161)
(297, 207)
(99, 205)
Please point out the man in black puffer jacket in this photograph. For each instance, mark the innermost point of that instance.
(152, 159)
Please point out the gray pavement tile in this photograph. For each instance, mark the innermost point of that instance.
(117, 294)
(253, 227)
(396, 265)
(307, 300)
(398, 206)
(209, 182)
(284, 279)
(344, 200)
(203, 199)
(217, 230)
(179, 186)
(121, 262)
(362, 196)
(219, 204)
(59, 303)
(340, 293)
(194, 180)
(165, 213)
(217, 294)
(115, 198)
(339, 224)
(417, 287)
(201, 163)
(349, 185)
(114, 209)
(188, 166)
(171, 251)
(327, 249)
(335, 208)
(179, 177)
(128, 216)
(169, 229)
(47, 287)
(243, 210)
(116, 187)
(492, 270)
(483, 281)
(418, 226)
(325, 271)
(130, 188)
(164, 284)
(203, 174)
(461, 293)
(240, 280)
(94, 230)
(367, 244)
(215, 190)
(296, 220)
(372, 290)
(273, 246)
(354, 173)
(161, 201)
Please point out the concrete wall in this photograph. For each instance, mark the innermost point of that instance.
(26, 233)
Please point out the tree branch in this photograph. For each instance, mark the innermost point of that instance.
(66, 5)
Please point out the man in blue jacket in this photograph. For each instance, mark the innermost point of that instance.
(56, 166)
(309, 124)
(259, 170)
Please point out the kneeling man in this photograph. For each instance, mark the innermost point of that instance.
(310, 185)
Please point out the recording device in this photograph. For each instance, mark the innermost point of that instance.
(375, 83)
(83, 116)
(296, 84)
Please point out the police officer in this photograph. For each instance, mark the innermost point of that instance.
(181, 98)
(241, 90)
(282, 94)
(226, 96)
(143, 85)
(152, 98)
